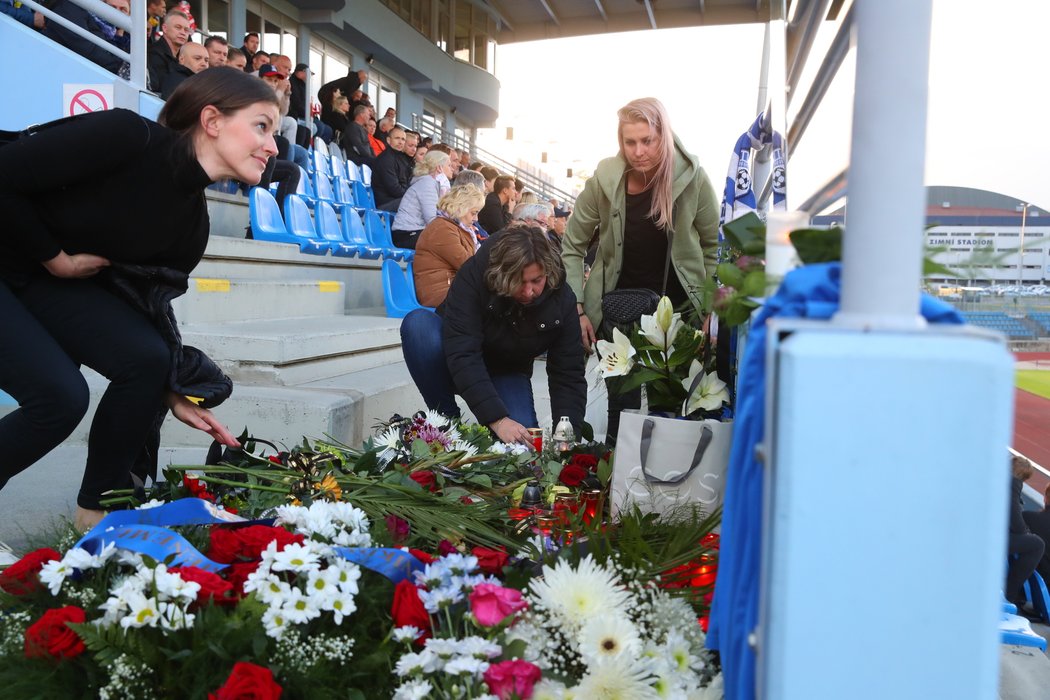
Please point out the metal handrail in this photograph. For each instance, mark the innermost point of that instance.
(136, 58)
(832, 191)
(829, 68)
(429, 127)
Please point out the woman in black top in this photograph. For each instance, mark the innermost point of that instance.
(111, 186)
(507, 305)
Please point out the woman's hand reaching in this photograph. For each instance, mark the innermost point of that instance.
(510, 431)
(200, 418)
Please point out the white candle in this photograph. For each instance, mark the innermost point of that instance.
(780, 254)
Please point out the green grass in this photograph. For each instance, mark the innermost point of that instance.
(1035, 381)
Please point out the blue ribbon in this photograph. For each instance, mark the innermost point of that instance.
(153, 541)
(145, 531)
(395, 564)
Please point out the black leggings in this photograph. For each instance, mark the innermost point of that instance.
(52, 326)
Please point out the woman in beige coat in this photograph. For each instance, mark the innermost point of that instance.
(446, 243)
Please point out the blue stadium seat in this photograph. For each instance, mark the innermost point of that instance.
(353, 171)
(266, 220)
(366, 174)
(320, 161)
(305, 188)
(363, 195)
(379, 236)
(323, 188)
(301, 224)
(343, 193)
(398, 295)
(354, 233)
(330, 230)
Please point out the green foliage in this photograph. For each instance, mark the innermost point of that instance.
(817, 245)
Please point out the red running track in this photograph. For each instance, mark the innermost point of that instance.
(1032, 425)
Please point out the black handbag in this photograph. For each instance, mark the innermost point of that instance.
(622, 308)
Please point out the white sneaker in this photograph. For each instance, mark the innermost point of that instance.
(7, 556)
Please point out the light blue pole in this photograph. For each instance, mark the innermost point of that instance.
(884, 526)
(238, 22)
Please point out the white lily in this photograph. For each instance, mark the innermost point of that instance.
(709, 394)
(661, 328)
(615, 358)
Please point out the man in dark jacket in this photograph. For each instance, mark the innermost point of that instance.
(355, 138)
(161, 56)
(392, 172)
(482, 343)
(250, 46)
(193, 58)
(496, 214)
(297, 103)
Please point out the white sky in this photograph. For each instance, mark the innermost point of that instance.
(988, 105)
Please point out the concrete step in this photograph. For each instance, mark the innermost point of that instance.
(216, 300)
(289, 352)
(237, 258)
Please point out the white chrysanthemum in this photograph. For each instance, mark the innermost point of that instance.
(478, 647)
(442, 649)
(144, 612)
(466, 665)
(440, 598)
(83, 560)
(409, 664)
(609, 636)
(173, 586)
(436, 419)
(341, 605)
(125, 557)
(347, 574)
(463, 446)
(267, 587)
(407, 633)
(322, 585)
(616, 679)
(298, 608)
(275, 622)
(389, 443)
(679, 654)
(413, 690)
(577, 595)
(300, 558)
(460, 564)
(54, 573)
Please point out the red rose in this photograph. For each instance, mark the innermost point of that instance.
(237, 573)
(445, 548)
(513, 679)
(424, 478)
(407, 608)
(213, 587)
(491, 561)
(51, 637)
(255, 538)
(21, 577)
(196, 488)
(223, 545)
(588, 462)
(248, 682)
(571, 475)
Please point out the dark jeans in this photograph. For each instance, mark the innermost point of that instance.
(422, 345)
(1028, 550)
(286, 174)
(405, 239)
(391, 205)
(51, 327)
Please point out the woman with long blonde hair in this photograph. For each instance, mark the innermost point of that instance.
(654, 206)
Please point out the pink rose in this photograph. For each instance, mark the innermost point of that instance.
(512, 679)
(491, 604)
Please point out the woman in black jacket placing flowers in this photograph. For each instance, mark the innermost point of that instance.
(102, 188)
(507, 305)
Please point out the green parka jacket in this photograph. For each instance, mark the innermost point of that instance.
(602, 204)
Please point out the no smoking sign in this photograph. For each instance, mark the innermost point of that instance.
(81, 99)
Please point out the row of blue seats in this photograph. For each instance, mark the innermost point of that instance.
(344, 235)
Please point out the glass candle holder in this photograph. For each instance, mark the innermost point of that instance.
(591, 500)
(545, 523)
(537, 438)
